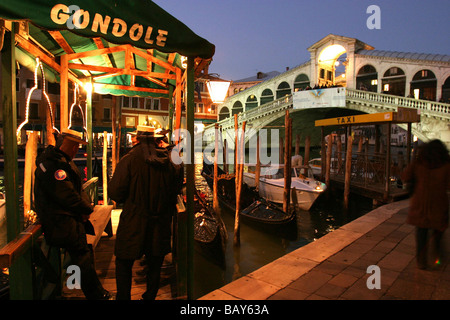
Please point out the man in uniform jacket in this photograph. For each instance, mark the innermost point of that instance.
(63, 208)
(147, 182)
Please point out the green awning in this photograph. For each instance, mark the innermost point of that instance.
(83, 26)
(141, 23)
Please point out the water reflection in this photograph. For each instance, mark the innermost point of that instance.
(260, 247)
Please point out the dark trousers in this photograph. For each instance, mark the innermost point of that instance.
(424, 242)
(124, 277)
(65, 232)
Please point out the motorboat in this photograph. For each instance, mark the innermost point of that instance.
(271, 185)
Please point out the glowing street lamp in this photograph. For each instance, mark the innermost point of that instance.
(217, 88)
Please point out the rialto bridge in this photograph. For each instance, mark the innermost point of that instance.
(367, 81)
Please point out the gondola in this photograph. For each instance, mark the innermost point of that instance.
(254, 207)
(209, 230)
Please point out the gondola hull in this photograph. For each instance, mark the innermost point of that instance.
(254, 208)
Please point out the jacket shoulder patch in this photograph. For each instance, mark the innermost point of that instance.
(60, 175)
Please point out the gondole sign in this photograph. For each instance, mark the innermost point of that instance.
(140, 23)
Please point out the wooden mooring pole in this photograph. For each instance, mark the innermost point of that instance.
(216, 159)
(348, 170)
(238, 184)
(287, 162)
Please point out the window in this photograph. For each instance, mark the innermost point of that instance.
(33, 111)
(151, 104)
(155, 104)
(322, 74)
(107, 114)
(130, 121)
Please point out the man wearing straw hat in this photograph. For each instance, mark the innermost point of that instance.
(63, 208)
(147, 182)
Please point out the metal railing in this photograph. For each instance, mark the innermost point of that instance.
(377, 100)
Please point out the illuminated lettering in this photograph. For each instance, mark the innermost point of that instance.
(59, 14)
(161, 38)
(100, 22)
(77, 16)
(135, 36)
(148, 35)
(119, 28)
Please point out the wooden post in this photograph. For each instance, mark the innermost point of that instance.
(297, 144)
(216, 160)
(89, 131)
(236, 142)
(322, 153)
(20, 274)
(408, 144)
(105, 168)
(64, 92)
(114, 158)
(287, 162)
(30, 167)
(388, 163)
(238, 185)
(307, 147)
(281, 151)
(178, 105)
(225, 155)
(328, 166)
(49, 120)
(348, 169)
(258, 164)
(190, 174)
(339, 154)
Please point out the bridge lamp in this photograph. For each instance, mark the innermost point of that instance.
(218, 89)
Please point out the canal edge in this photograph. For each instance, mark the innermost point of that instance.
(278, 274)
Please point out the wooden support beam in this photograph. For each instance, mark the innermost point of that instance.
(64, 92)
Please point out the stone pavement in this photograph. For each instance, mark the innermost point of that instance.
(336, 266)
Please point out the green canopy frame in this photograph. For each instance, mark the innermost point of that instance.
(129, 47)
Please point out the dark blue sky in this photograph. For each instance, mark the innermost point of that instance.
(269, 35)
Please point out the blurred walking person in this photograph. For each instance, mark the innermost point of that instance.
(429, 176)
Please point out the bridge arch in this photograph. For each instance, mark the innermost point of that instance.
(266, 96)
(367, 78)
(424, 85)
(237, 108)
(251, 103)
(301, 82)
(283, 89)
(394, 81)
(446, 90)
(224, 113)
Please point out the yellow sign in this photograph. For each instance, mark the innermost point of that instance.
(356, 119)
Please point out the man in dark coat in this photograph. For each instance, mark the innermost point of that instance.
(147, 182)
(63, 208)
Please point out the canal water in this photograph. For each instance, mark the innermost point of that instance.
(259, 246)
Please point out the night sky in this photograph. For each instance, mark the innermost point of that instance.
(270, 35)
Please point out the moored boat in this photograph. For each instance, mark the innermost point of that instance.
(254, 207)
(271, 185)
